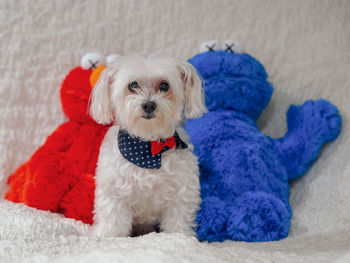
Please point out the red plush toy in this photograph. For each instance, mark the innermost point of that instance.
(60, 175)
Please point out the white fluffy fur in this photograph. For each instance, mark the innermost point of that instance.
(128, 197)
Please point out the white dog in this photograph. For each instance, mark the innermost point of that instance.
(146, 174)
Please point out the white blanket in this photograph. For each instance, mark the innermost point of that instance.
(305, 47)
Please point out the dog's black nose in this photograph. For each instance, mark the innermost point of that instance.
(149, 107)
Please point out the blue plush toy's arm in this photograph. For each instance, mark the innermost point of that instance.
(309, 126)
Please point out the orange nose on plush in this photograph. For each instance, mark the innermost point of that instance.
(95, 75)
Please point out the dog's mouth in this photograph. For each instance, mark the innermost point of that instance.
(148, 116)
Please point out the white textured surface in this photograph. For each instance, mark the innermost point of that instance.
(305, 47)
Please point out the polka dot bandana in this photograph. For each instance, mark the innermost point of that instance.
(139, 152)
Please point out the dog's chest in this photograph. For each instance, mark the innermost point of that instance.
(150, 183)
(151, 190)
(147, 191)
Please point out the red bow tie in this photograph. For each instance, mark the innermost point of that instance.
(157, 146)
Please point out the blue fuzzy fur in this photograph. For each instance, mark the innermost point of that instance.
(245, 174)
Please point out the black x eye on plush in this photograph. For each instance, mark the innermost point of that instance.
(211, 48)
(228, 47)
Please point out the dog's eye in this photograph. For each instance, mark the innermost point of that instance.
(133, 86)
(163, 86)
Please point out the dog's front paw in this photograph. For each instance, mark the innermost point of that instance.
(174, 223)
(188, 231)
(177, 225)
(103, 231)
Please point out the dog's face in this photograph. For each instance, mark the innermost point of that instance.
(147, 96)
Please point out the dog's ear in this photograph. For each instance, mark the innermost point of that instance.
(194, 96)
(101, 109)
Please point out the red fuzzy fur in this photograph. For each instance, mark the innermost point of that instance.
(60, 175)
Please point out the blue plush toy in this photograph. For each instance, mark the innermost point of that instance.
(244, 173)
